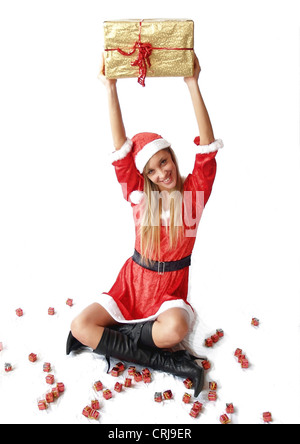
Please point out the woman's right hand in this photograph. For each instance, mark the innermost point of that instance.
(106, 82)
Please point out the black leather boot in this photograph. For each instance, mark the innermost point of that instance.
(140, 333)
(181, 363)
(73, 344)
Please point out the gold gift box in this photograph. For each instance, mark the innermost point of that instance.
(171, 44)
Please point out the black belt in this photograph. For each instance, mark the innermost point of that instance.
(162, 267)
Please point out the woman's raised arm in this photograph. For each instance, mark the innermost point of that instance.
(204, 124)
(115, 114)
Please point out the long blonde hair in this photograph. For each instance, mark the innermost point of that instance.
(150, 228)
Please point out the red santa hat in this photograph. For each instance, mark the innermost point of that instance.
(145, 145)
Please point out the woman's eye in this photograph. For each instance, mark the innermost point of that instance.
(163, 162)
(150, 172)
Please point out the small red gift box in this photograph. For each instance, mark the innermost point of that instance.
(47, 367)
(32, 357)
(49, 397)
(267, 417)
(42, 405)
(224, 419)
(188, 383)
(50, 379)
(118, 387)
(186, 398)
(107, 394)
(168, 394)
(229, 408)
(98, 386)
(128, 382)
(212, 396)
(158, 397)
(95, 404)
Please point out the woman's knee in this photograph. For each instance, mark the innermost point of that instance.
(178, 329)
(171, 329)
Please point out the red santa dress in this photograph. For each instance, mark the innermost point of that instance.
(140, 294)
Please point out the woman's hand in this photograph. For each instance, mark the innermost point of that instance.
(197, 70)
(106, 82)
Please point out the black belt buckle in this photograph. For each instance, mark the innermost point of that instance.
(161, 264)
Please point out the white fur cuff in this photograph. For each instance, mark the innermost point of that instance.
(214, 146)
(122, 152)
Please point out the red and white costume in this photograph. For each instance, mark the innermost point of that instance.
(139, 294)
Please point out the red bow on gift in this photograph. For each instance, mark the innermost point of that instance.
(143, 58)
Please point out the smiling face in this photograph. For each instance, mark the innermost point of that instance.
(162, 171)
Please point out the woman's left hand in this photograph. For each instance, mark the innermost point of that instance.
(197, 70)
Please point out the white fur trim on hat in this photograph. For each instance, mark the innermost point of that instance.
(136, 196)
(122, 152)
(214, 146)
(148, 151)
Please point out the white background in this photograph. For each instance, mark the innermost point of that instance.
(65, 230)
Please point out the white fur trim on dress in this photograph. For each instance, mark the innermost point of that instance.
(148, 151)
(122, 152)
(214, 146)
(107, 302)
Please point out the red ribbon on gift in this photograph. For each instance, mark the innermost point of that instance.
(144, 53)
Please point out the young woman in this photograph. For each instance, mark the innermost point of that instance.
(146, 311)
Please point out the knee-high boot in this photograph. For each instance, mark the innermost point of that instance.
(181, 363)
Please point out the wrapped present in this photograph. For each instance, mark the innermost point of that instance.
(69, 302)
(212, 385)
(127, 382)
(47, 367)
(168, 394)
(224, 419)
(118, 387)
(212, 396)
(120, 366)
(138, 377)
(229, 408)
(50, 379)
(32, 357)
(220, 332)
(115, 371)
(131, 370)
(215, 338)
(188, 383)
(152, 47)
(98, 386)
(51, 311)
(61, 387)
(42, 405)
(56, 392)
(95, 404)
(49, 397)
(197, 406)
(267, 417)
(158, 397)
(245, 363)
(238, 352)
(186, 398)
(7, 367)
(19, 312)
(107, 394)
(209, 342)
(206, 364)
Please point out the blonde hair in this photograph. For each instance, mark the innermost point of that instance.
(150, 228)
